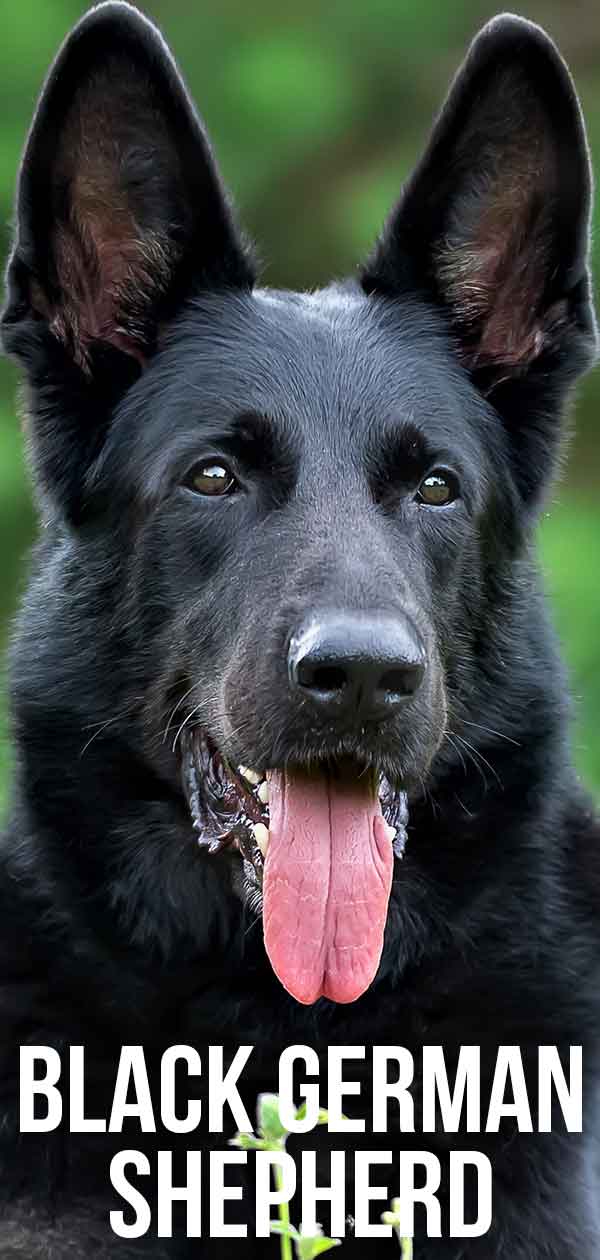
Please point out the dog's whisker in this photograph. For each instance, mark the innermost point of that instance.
(471, 758)
(489, 730)
(175, 709)
(463, 806)
(187, 719)
(475, 757)
(100, 728)
(457, 750)
(478, 754)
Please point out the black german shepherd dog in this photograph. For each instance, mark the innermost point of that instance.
(284, 621)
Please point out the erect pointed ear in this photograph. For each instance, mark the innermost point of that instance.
(120, 209)
(494, 223)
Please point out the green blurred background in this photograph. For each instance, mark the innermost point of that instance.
(317, 111)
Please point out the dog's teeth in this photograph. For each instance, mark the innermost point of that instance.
(250, 775)
(263, 792)
(262, 837)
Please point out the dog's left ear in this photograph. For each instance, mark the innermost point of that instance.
(494, 223)
(120, 209)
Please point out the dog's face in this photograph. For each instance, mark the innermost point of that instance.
(306, 504)
(315, 498)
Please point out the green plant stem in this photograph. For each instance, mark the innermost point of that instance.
(284, 1215)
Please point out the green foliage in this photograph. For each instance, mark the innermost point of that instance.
(317, 113)
(272, 1136)
(393, 1218)
(569, 539)
(307, 1245)
(269, 1122)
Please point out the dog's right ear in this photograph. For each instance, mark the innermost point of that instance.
(121, 214)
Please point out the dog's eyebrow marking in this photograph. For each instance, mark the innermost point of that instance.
(400, 453)
(261, 442)
(253, 427)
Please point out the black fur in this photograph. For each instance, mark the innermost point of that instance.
(146, 346)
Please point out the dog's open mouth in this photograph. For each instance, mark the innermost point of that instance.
(320, 845)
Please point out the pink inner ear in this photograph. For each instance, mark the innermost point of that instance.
(113, 258)
(110, 273)
(495, 281)
(494, 263)
(509, 272)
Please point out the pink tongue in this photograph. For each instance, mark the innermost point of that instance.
(326, 887)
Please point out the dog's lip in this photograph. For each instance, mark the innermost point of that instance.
(229, 806)
(226, 809)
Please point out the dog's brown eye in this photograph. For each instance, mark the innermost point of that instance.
(437, 489)
(211, 478)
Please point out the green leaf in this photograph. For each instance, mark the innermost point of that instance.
(322, 1118)
(306, 1248)
(393, 1218)
(248, 1142)
(269, 1123)
(288, 1231)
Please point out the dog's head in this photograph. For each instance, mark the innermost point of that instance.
(312, 503)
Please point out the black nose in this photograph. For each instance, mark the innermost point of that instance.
(361, 661)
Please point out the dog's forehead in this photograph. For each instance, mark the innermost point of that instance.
(333, 363)
(332, 350)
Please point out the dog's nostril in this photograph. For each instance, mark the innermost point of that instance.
(356, 663)
(401, 682)
(323, 678)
